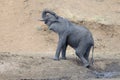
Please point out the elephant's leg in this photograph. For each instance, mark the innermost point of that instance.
(61, 43)
(64, 51)
(80, 51)
(86, 55)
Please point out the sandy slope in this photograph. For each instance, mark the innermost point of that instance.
(19, 26)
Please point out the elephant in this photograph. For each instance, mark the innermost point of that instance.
(76, 36)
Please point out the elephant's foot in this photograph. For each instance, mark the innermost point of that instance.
(87, 65)
(63, 58)
(56, 58)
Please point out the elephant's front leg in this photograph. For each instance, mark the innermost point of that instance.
(57, 54)
(64, 51)
(61, 43)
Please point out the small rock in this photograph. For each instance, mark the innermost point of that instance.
(42, 57)
(39, 28)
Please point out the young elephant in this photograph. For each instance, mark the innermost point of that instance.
(78, 37)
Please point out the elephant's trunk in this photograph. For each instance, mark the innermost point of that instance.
(47, 11)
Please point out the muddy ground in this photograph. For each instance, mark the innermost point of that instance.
(27, 46)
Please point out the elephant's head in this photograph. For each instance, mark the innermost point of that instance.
(48, 17)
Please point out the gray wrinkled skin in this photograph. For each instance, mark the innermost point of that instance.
(78, 37)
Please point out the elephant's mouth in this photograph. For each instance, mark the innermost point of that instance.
(49, 23)
(50, 28)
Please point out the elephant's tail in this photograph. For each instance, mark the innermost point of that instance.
(92, 59)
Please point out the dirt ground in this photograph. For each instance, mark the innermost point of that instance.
(27, 46)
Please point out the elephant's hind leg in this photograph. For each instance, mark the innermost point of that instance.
(80, 51)
(86, 55)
